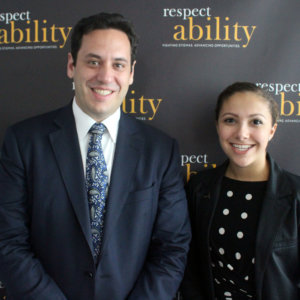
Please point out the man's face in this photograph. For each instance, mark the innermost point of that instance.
(102, 73)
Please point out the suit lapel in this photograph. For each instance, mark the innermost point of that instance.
(127, 155)
(65, 145)
(274, 209)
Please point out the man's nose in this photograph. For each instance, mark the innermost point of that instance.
(105, 73)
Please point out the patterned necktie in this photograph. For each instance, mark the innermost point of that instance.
(96, 184)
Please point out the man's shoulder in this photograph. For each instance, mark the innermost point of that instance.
(36, 127)
(39, 121)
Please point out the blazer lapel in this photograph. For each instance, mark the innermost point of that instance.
(205, 213)
(65, 145)
(210, 200)
(274, 209)
(127, 154)
(213, 195)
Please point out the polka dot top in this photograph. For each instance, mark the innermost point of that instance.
(232, 238)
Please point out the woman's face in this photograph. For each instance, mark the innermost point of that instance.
(245, 127)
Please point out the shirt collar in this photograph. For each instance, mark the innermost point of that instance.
(84, 122)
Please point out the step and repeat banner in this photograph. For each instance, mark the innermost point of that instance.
(188, 52)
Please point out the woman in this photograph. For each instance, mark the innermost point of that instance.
(245, 213)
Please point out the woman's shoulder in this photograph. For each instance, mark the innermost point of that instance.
(205, 175)
(284, 183)
(209, 173)
(293, 181)
(205, 178)
(284, 176)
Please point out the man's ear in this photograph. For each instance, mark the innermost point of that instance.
(70, 66)
(132, 73)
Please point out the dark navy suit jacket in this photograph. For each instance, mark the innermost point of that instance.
(45, 236)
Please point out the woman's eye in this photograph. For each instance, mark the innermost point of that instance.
(257, 122)
(229, 120)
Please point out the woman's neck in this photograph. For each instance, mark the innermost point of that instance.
(249, 173)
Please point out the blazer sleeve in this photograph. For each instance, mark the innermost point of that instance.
(166, 259)
(20, 270)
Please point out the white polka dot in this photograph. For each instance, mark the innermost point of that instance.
(231, 281)
(248, 197)
(221, 251)
(246, 278)
(221, 230)
(243, 291)
(253, 260)
(238, 256)
(229, 193)
(230, 267)
(226, 212)
(224, 279)
(240, 235)
(213, 265)
(221, 264)
(228, 298)
(217, 281)
(227, 294)
(244, 215)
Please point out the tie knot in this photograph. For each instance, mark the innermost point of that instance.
(97, 128)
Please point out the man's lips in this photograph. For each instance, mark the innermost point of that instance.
(102, 92)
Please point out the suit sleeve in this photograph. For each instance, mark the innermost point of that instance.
(20, 270)
(166, 260)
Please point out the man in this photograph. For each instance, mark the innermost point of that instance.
(63, 234)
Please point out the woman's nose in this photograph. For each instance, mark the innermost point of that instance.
(243, 132)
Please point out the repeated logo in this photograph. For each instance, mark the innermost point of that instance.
(288, 98)
(199, 27)
(142, 107)
(194, 161)
(21, 31)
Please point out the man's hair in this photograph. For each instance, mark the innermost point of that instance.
(242, 87)
(103, 21)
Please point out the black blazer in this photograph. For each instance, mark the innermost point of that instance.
(277, 252)
(45, 235)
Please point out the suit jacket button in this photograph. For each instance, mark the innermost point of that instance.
(90, 274)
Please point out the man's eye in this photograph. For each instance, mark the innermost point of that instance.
(93, 63)
(119, 66)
